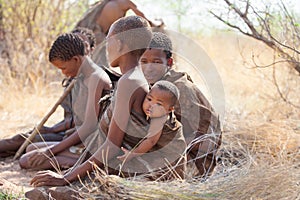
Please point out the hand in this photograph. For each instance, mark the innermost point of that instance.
(127, 155)
(48, 178)
(39, 156)
(157, 23)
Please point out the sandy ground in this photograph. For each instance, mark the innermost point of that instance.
(32, 107)
(13, 177)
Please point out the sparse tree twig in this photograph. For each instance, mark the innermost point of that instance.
(268, 65)
(282, 96)
(286, 51)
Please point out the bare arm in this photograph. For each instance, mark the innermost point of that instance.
(145, 146)
(91, 115)
(59, 127)
(108, 150)
(152, 137)
(123, 104)
(134, 8)
(89, 125)
(113, 141)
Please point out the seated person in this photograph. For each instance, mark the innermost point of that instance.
(67, 53)
(201, 125)
(58, 131)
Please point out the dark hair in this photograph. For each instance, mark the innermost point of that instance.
(134, 31)
(169, 87)
(65, 47)
(161, 41)
(88, 33)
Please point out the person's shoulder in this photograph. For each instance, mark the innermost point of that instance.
(100, 76)
(134, 74)
(132, 81)
(185, 85)
(180, 79)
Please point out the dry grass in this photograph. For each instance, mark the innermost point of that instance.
(251, 166)
(260, 154)
(259, 157)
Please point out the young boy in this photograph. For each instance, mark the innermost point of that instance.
(55, 133)
(162, 141)
(201, 126)
(68, 54)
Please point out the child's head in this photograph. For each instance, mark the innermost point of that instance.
(66, 53)
(130, 34)
(157, 59)
(88, 36)
(161, 99)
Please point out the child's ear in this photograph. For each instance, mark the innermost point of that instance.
(78, 59)
(170, 62)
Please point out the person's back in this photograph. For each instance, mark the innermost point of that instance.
(100, 17)
(112, 11)
(104, 13)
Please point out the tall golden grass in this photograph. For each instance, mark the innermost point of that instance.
(259, 157)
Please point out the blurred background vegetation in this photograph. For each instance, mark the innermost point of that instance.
(27, 29)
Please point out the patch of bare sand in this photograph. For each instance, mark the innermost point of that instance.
(20, 111)
(14, 179)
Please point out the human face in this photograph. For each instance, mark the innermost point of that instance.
(68, 68)
(157, 103)
(154, 64)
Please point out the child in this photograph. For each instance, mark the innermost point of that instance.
(56, 132)
(158, 105)
(201, 126)
(68, 54)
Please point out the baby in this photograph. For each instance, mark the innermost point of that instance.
(158, 105)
